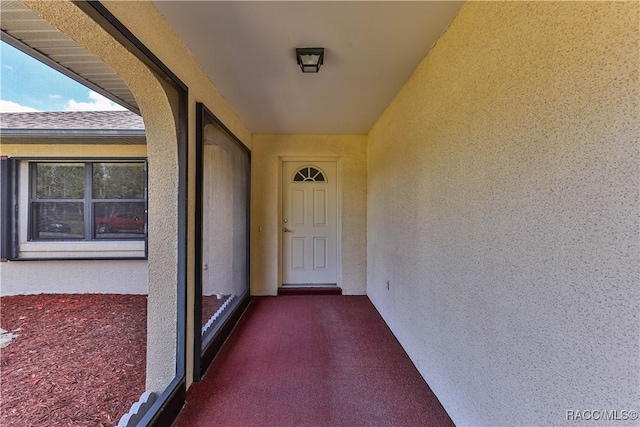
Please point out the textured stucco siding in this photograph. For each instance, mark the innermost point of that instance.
(268, 151)
(144, 21)
(147, 24)
(503, 209)
(73, 277)
(64, 150)
(162, 178)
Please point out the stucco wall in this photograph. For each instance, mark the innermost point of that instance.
(73, 277)
(268, 150)
(162, 178)
(72, 150)
(503, 201)
(145, 22)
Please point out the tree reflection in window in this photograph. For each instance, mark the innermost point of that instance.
(81, 200)
(309, 173)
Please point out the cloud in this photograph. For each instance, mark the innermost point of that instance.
(55, 96)
(8, 67)
(13, 107)
(97, 103)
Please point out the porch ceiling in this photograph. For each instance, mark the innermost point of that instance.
(248, 50)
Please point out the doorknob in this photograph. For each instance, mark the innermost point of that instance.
(286, 230)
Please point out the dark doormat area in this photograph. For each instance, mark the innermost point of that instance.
(309, 290)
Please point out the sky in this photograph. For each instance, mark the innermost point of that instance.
(27, 84)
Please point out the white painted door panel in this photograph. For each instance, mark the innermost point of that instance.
(309, 223)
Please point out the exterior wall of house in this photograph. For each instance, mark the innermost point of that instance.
(146, 23)
(73, 277)
(72, 150)
(101, 277)
(162, 181)
(503, 197)
(268, 150)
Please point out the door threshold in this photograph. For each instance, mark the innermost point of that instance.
(309, 290)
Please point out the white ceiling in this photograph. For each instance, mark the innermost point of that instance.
(248, 50)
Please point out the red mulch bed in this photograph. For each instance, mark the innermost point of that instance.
(210, 305)
(78, 360)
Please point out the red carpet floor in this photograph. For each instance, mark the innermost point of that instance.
(320, 360)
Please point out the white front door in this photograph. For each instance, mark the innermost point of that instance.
(309, 223)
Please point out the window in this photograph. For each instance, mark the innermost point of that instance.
(309, 173)
(74, 209)
(223, 177)
(87, 201)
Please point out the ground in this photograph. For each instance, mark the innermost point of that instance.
(211, 305)
(74, 360)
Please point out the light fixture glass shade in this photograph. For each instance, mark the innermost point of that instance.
(310, 58)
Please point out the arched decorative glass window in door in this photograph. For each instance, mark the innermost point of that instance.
(309, 173)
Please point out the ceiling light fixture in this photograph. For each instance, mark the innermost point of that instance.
(310, 58)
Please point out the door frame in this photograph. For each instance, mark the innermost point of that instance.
(311, 160)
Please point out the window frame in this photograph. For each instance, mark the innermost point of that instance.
(309, 178)
(8, 206)
(207, 345)
(20, 216)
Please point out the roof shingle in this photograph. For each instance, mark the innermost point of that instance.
(73, 120)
